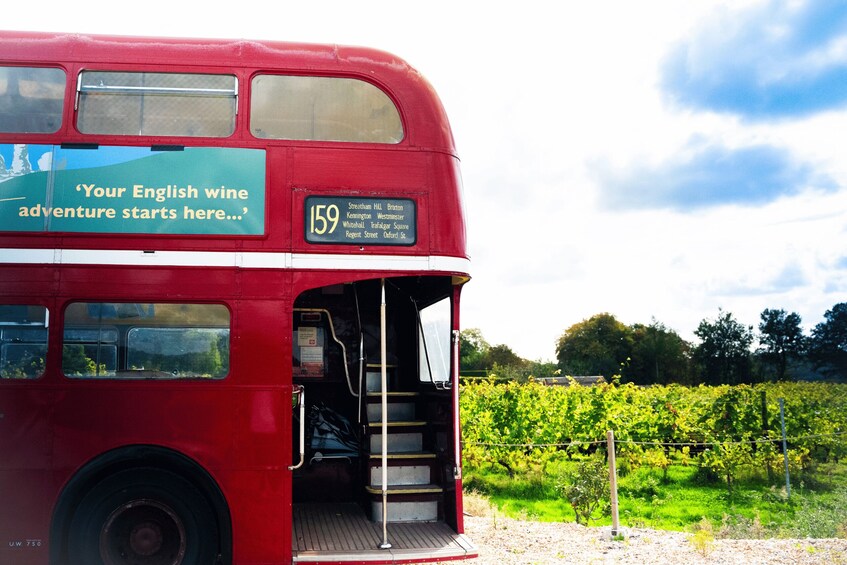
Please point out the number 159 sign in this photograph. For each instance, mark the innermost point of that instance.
(360, 221)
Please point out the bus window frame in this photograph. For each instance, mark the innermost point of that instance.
(45, 326)
(432, 340)
(62, 115)
(123, 374)
(146, 69)
(248, 108)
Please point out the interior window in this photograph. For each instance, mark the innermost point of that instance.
(90, 351)
(146, 341)
(434, 342)
(23, 341)
(31, 99)
(122, 103)
(322, 109)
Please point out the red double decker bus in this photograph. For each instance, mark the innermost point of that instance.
(230, 275)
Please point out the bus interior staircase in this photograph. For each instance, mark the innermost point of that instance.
(414, 493)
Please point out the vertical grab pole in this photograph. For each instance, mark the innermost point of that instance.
(457, 436)
(384, 397)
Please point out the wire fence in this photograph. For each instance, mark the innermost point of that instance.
(656, 443)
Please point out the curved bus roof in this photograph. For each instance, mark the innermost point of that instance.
(425, 121)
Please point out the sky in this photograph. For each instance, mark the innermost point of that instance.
(656, 160)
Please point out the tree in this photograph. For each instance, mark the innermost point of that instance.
(503, 356)
(476, 354)
(659, 356)
(828, 344)
(473, 350)
(542, 369)
(723, 355)
(76, 362)
(781, 340)
(600, 345)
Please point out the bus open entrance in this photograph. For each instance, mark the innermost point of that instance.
(347, 340)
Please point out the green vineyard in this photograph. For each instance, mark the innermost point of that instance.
(687, 457)
(722, 429)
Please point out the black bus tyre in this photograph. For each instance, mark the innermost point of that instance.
(143, 516)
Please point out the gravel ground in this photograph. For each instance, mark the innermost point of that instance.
(504, 541)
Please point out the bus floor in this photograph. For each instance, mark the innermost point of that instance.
(340, 533)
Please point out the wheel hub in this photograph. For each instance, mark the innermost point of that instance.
(146, 538)
(143, 532)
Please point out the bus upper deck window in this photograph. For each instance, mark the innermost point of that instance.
(31, 99)
(126, 103)
(322, 109)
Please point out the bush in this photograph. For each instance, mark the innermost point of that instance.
(586, 488)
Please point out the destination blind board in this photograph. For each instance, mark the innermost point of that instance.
(122, 189)
(361, 221)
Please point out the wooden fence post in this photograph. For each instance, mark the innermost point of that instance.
(765, 431)
(784, 447)
(613, 481)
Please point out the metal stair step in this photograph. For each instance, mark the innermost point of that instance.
(375, 396)
(373, 377)
(406, 489)
(401, 442)
(406, 455)
(406, 503)
(401, 475)
(396, 411)
(398, 424)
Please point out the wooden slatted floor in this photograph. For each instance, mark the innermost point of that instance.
(337, 533)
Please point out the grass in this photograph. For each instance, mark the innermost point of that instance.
(682, 499)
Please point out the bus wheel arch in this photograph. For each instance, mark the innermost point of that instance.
(154, 495)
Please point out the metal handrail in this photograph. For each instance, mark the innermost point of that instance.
(160, 91)
(338, 341)
(300, 391)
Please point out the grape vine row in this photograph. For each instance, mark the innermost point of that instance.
(720, 428)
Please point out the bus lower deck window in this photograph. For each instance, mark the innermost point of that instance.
(23, 341)
(146, 341)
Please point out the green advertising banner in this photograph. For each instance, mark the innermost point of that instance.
(197, 190)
